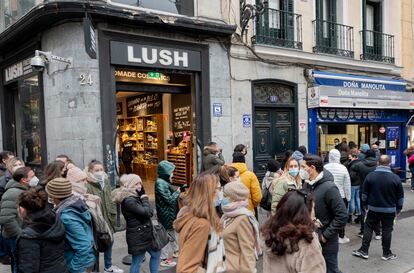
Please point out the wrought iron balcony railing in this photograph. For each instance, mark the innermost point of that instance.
(377, 46)
(333, 38)
(279, 28)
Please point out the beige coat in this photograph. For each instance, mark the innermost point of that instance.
(308, 259)
(239, 244)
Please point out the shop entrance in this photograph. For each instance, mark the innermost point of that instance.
(154, 123)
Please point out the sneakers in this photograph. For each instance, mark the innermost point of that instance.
(344, 240)
(168, 263)
(378, 237)
(360, 253)
(361, 235)
(390, 256)
(113, 269)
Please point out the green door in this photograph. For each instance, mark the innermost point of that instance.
(273, 135)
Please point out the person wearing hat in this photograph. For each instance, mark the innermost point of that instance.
(274, 171)
(72, 211)
(364, 149)
(249, 179)
(241, 230)
(137, 211)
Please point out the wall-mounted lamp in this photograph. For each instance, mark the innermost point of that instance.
(42, 59)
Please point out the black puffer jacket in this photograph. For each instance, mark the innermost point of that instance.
(40, 245)
(329, 209)
(364, 167)
(137, 213)
(355, 178)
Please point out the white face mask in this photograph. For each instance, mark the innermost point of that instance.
(101, 175)
(304, 174)
(34, 181)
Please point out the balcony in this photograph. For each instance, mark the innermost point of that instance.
(377, 46)
(279, 28)
(333, 38)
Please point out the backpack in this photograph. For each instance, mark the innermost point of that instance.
(266, 202)
(215, 258)
(102, 234)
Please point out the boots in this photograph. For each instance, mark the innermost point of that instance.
(357, 219)
(349, 219)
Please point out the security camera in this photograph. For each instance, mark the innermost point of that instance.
(37, 63)
(42, 59)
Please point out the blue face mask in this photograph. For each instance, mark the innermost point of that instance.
(294, 172)
(225, 201)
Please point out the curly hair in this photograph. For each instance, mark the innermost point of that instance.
(291, 223)
(33, 200)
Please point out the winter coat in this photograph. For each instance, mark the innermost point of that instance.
(239, 241)
(329, 209)
(340, 174)
(79, 252)
(269, 181)
(166, 198)
(3, 169)
(193, 238)
(40, 245)
(249, 179)
(108, 207)
(308, 259)
(364, 167)
(283, 184)
(9, 219)
(355, 178)
(211, 159)
(4, 179)
(383, 191)
(137, 213)
(410, 153)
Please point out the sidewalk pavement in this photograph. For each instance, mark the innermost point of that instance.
(402, 245)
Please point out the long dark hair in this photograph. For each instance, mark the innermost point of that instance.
(291, 223)
(221, 173)
(53, 170)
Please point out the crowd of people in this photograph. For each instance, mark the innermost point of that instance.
(60, 222)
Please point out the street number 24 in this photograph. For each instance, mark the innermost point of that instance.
(85, 79)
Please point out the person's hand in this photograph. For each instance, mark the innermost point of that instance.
(141, 192)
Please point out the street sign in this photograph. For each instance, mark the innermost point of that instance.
(247, 121)
(217, 109)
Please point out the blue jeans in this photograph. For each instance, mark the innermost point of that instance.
(108, 257)
(154, 264)
(11, 246)
(412, 177)
(354, 204)
(331, 260)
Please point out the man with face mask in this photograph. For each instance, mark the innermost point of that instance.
(330, 209)
(9, 218)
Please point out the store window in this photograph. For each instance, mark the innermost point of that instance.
(30, 129)
(183, 7)
(13, 10)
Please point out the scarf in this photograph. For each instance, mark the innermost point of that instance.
(312, 182)
(92, 179)
(118, 195)
(66, 203)
(235, 209)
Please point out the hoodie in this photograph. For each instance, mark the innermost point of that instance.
(364, 167)
(340, 174)
(79, 242)
(249, 179)
(41, 243)
(211, 158)
(193, 238)
(166, 197)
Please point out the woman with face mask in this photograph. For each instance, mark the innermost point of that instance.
(98, 184)
(136, 209)
(289, 180)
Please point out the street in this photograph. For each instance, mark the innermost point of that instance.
(402, 245)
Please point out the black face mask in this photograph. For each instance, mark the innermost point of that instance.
(65, 173)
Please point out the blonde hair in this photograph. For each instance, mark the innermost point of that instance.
(201, 197)
(13, 161)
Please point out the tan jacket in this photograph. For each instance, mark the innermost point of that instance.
(308, 259)
(239, 244)
(193, 238)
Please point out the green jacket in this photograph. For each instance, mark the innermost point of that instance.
(166, 198)
(108, 207)
(283, 184)
(9, 218)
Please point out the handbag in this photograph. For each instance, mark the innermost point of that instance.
(160, 237)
